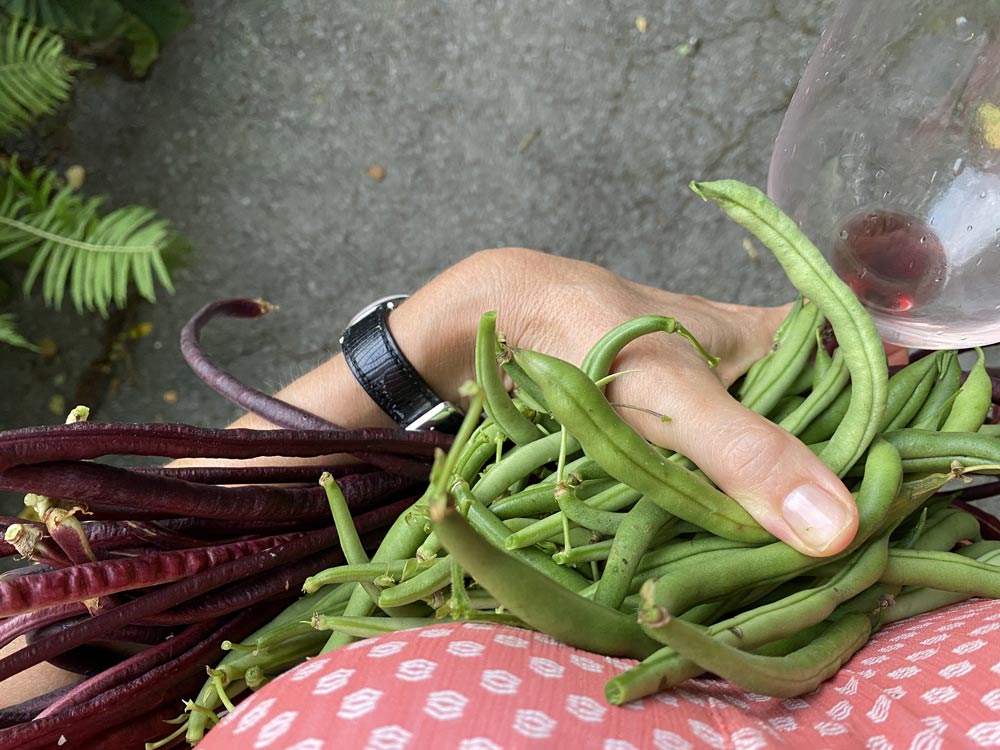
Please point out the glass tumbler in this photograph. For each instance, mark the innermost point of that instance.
(889, 160)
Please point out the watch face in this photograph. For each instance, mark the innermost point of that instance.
(392, 300)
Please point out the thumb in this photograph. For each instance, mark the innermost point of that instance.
(766, 469)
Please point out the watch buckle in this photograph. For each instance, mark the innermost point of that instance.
(435, 416)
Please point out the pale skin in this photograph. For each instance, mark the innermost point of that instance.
(562, 306)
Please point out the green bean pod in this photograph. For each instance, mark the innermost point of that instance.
(615, 498)
(539, 498)
(779, 676)
(597, 362)
(825, 391)
(578, 404)
(534, 597)
(935, 409)
(825, 424)
(812, 276)
(946, 529)
(397, 570)
(918, 601)
(603, 522)
(937, 450)
(518, 463)
(418, 588)
(715, 574)
(756, 627)
(908, 390)
(972, 404)
(499, 406)
(593, 552)
(781, 366)
(632, 539)
(947, 571)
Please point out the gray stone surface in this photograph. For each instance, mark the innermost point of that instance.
(559, 126)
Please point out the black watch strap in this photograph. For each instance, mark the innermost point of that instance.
(387, 375)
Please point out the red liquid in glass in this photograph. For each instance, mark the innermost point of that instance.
(892, 261)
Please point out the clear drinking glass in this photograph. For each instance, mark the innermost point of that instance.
(889, 160)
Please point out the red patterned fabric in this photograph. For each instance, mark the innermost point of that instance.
(930, 683)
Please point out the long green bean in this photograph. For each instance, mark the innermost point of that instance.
(580, 406)
(813, 277)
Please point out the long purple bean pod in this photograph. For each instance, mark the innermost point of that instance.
(293, 474)
(12, 627)
(89, 440)
(188, 588)
(105, 577)
(114, 535)
(28, 709)
(114, 705)
(133, 666)
(245, 593)
(102, 487)
(273, 409)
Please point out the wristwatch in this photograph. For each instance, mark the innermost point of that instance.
(387, 375)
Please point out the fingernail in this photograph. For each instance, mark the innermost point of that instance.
(816, 516)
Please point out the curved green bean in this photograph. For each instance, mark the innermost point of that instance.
(824, 392)
(597, 362)
(498, 403)
(518, 463)
(972, 404)
(779, 676)
(813, 277)
(908, 390)
(578, 404)
(534, 597)
(935, 409)
(633, 538)
(947, 571)
(603, 522)
(780, 367)
(723, 572)
(615, 498)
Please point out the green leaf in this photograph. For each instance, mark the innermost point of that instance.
(143, 44)
(75, 250)
(9, 335)
(166, 18)
(35, 75)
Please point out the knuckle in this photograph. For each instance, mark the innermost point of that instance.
(751, 450)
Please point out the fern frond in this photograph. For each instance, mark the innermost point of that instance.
(73, 248)
(71, 17)
(35, 75)
(9, 334)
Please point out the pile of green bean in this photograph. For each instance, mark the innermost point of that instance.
(551, 512)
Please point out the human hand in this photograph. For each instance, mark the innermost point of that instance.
(561, 307)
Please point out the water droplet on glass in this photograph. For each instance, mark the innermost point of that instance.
(843, 234)
(968, 228)
(961, 21)
(879, 173)
(982, 194)
(923, 239)
(956, 168)
(979, 261)
(885, 195)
